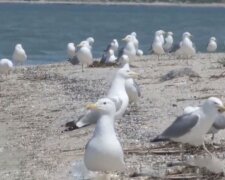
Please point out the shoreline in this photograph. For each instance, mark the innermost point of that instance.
(215, 5)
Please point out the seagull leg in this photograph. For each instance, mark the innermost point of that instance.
(204, 147)
(213, 136)
(182, 152)
(82, 68)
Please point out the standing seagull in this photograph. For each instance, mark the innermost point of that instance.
(84, 54)
(212, 45)
(6, 66)
(19, 55)
(109, 58)
(117, 93)
(157, 45)
(191, 128)
(187, 48)
(168, 42)
(129, 48)
(103, 151)
(113, 46)
(135, 40)
(71, 49)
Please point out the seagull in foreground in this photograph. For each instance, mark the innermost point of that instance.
(212, 45)
(103, 151)
(187, 48)
(84, 54)
(219, 123)
(168, 42)
(6, 66)
(71, 50)
(117, 93)
(19, 55)
(191, 128)
(132, 88)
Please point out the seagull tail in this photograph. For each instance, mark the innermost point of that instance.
(159, 139)
(71, 125)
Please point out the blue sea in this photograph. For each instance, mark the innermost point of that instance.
(45, 29)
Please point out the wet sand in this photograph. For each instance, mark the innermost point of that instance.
(35, 101)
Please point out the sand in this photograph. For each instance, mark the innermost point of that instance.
(35, 101)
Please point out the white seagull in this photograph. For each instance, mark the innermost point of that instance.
(71, 50)
(168, 42)
(212, 45)
(19, 55)
(6, 66)
(192, 127)
(157, 45)
(129, 48)
(84, 54)
(103, 151)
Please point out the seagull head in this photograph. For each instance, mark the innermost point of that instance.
(134, 34)
(90, 40)
(124, 59)
(70, 45)
(170, 33)
(187, 35)
(128, 38)
(160, 32)
(83, 44)
(213, 104)
(103, 105)
(126, 73)
(18, 46)
(212, 39)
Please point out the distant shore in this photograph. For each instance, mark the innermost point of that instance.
(121, 3)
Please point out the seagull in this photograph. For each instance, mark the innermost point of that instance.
(187, 48)
(84, 54)
(129, 48)
(117, 93)
(161, 34)
(132, 88)
(71, 49)
(114, 45)
(90, 41)
(135, 40)
(219, 123)
(19, 55)
(168, 42)
(109, 58)
(6, 66)
(103, 151)
(191, 128)
(212, 45)
(139, 52)
(157, 45)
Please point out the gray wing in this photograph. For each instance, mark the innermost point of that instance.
(108, 48)
(118, 102)
(120, 53)
(220, 122)
(91, 117)
(74, 60)
(181, 126)
(103, 59)
(138, 89)
(174, 48)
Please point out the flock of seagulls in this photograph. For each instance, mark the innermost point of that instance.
(103, 152)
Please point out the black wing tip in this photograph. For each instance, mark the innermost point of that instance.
(159, 139)
(70, 126)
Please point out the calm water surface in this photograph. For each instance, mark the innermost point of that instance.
(45, 29)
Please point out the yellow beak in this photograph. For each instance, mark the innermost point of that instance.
(133, 74)
(91, 106)
(221, 109)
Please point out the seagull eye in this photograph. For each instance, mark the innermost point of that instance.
(104, 103)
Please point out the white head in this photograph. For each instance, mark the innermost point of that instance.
(213, 105)
(90, 40)
(159, 32)
(115, 41)
(104, 106)
(126, 73)
(83, 44)
(134, 34)
(128, 38)
(71, 44)
(170, 33)
(212, 39)
(186, 35)
(18, 46)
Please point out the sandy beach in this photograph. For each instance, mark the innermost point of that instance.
(37, 100)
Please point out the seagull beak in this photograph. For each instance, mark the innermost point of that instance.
(91, 106)
(133, 74)
(221, 109)
(124, 39)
